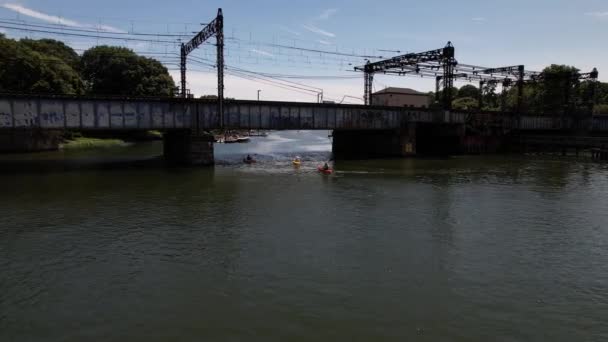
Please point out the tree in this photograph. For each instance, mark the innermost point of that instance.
(601, 109)
(28, 71)
(465, 103)
(531, 99)
(585, 93)
(53, 48)
(468, 90)
(119, 71)
(602, 93)
(437, 98)
(491, 100)
(559, 81)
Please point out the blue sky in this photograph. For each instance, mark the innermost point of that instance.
(489, 33)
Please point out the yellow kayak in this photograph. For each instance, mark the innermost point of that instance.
(297, 162)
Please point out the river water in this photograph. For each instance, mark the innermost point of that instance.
(458, 249)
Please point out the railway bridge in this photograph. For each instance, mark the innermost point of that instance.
(358, 131)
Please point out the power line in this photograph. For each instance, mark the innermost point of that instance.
(88, 36)
(293, 84)
(67, 28)
(269, 82)
(309, 50)
(291, 58)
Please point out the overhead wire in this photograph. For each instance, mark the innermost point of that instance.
(268, 78)
(4, 26)
(73, 29)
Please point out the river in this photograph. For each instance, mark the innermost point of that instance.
(458, 249)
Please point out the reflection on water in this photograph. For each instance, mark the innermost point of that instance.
(466, 248)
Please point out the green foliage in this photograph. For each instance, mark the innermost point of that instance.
(53, 48)
(558, 81)
(601, 109)
(602, 93)
(468, 90)
(549, 96)
(91, 143)
(49, 66)
(465, 103)
(109, 70)
(437, 99)
(25, 70)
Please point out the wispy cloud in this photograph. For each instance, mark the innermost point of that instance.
(479, 19)
(107, 28)
(325, 42)
(328, 13)
(431, 36)
(288, 30)
(57, 20)
(597, 14)
(261, 52)
(319, 31)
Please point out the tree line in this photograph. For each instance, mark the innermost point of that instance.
(557, 93)
(48, 66)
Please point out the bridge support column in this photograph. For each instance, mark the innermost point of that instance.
(439, 139)
(183, 148)
(370, 144)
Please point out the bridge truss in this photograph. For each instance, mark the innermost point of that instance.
(442, 65)
(425, 63)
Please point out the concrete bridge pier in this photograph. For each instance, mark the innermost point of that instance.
(370, 144)
(440, 139)
(414, 139)
(184, 148)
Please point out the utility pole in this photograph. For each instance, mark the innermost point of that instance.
(219, 35)
(182, 67)
(214, 28)
(259, 94)
(448, 62)
(368, 84)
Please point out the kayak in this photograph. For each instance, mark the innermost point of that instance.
(325, 172)
(249, 161)
(297, 163)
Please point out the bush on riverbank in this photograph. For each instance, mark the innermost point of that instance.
(82, 143)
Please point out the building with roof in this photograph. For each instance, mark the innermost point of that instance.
(401, 97)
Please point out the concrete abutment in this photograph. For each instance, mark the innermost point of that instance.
(30, 140)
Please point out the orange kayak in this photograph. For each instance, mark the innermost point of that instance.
(325, 172)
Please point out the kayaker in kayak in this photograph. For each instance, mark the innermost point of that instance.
(248, 158)
(325, 167)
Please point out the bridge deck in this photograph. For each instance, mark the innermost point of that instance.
(167, 114)
(53, 112)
